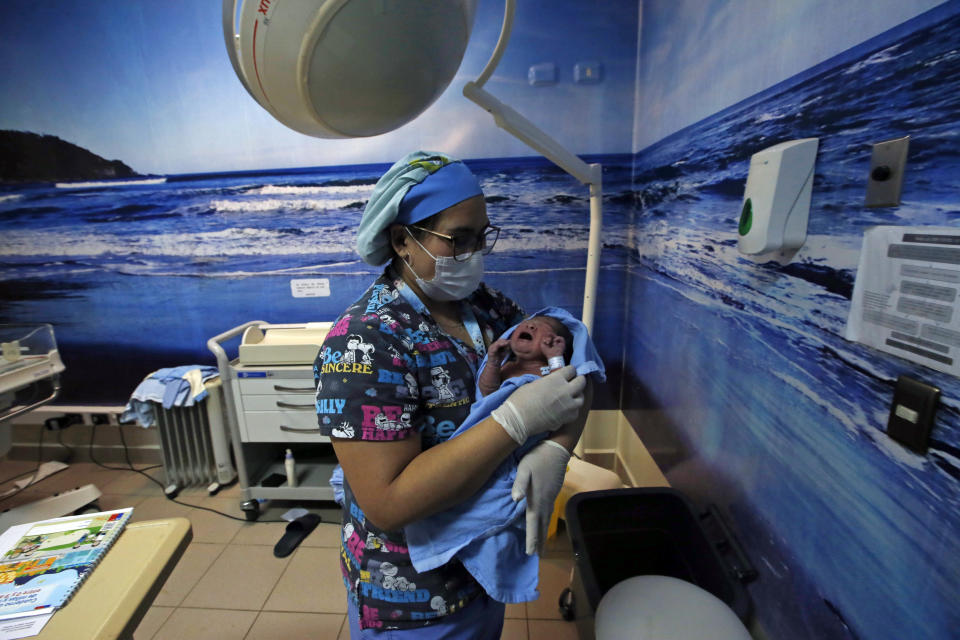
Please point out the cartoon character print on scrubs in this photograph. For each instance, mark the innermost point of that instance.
(387, 372)
(355, 343)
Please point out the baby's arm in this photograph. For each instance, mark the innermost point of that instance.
(553, 346)
(490, 378)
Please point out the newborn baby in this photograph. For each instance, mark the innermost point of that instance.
(537, 346)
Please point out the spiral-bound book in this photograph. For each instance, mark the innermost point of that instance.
(43, 563)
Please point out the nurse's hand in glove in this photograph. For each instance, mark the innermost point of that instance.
(542, 405)
(539, 479)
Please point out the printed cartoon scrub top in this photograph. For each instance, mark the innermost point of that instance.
(387, 372)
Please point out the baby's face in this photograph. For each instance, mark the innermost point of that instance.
(526, 341)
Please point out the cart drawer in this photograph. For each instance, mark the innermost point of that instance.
(280, 402)
(281, 426)
(271, 385)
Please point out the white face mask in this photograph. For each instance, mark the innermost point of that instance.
(452, 280)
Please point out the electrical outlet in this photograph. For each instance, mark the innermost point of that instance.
(56, 424)
(887, 166)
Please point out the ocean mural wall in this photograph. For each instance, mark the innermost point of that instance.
(225, 210)
(737, 374)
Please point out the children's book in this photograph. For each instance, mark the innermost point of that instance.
(43, 563)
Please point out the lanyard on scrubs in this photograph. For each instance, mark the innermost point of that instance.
(469, 322)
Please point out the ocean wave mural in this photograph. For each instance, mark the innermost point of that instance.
(141, 273)
(757, 399)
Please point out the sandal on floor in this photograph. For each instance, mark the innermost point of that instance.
(297, 530)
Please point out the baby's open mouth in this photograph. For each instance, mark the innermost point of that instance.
(524, 335)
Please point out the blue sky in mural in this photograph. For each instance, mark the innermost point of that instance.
(150, 84)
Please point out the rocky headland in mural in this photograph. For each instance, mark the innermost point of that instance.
(32, 157)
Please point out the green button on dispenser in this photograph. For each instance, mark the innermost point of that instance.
(746, 217)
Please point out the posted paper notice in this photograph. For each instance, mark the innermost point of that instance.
(905, 299)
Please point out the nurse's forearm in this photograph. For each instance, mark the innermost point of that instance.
(445, 474)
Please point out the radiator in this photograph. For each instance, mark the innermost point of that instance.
(195, 444)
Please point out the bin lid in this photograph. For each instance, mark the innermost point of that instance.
(665, 608)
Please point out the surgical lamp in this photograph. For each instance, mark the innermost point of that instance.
(357, 68)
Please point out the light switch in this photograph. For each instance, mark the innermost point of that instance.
(906, 413)
(887, 166)
(911, 414)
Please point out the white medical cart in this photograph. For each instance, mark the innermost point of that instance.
(270, 407)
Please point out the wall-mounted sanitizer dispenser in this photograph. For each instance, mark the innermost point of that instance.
(776, 200)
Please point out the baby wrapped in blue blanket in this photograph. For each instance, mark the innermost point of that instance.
(487, 532)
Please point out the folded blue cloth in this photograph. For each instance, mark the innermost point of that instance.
(171, 387)
(487, 532)
(336, 483)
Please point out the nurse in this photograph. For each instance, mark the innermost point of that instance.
(396, 376)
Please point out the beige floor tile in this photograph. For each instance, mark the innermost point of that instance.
(231, 491)
(262, 533)
(23, 497)
(196, 560)
(105, 502)
(151, 623)
(560, 542)
(325, 535)
(552, 630)
(75, 475)
(344, 630)
(200, 490)
(10, 467)
(554, 578)
(329, 511)
(516, 611)
(13, 469)
(208, 624)
(311, 582)
(207, 526)
(240, 578)
(111, 501)
(514, 630)
(133, 483)
(273, 624)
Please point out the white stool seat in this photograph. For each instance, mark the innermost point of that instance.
(664, 608)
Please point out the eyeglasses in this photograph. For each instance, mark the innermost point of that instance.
(465, 244)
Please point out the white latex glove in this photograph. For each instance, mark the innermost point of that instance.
(542, 405)
(539, 478)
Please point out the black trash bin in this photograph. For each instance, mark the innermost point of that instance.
(620, 533)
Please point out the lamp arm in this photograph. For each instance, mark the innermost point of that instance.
(508, 11)
(518, 126)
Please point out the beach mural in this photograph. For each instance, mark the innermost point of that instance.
(737, 372)
(209, 227)
(139, 276)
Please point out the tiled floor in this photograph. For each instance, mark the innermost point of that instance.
(228, 585)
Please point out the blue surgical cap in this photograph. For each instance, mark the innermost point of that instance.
(447, 186)
(416, 187)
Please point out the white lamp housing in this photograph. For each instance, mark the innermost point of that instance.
(776, 200)
(346, 68)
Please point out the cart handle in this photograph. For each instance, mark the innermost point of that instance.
(213, 344)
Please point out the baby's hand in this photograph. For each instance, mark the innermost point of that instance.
(553, 346)
(498, 351)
